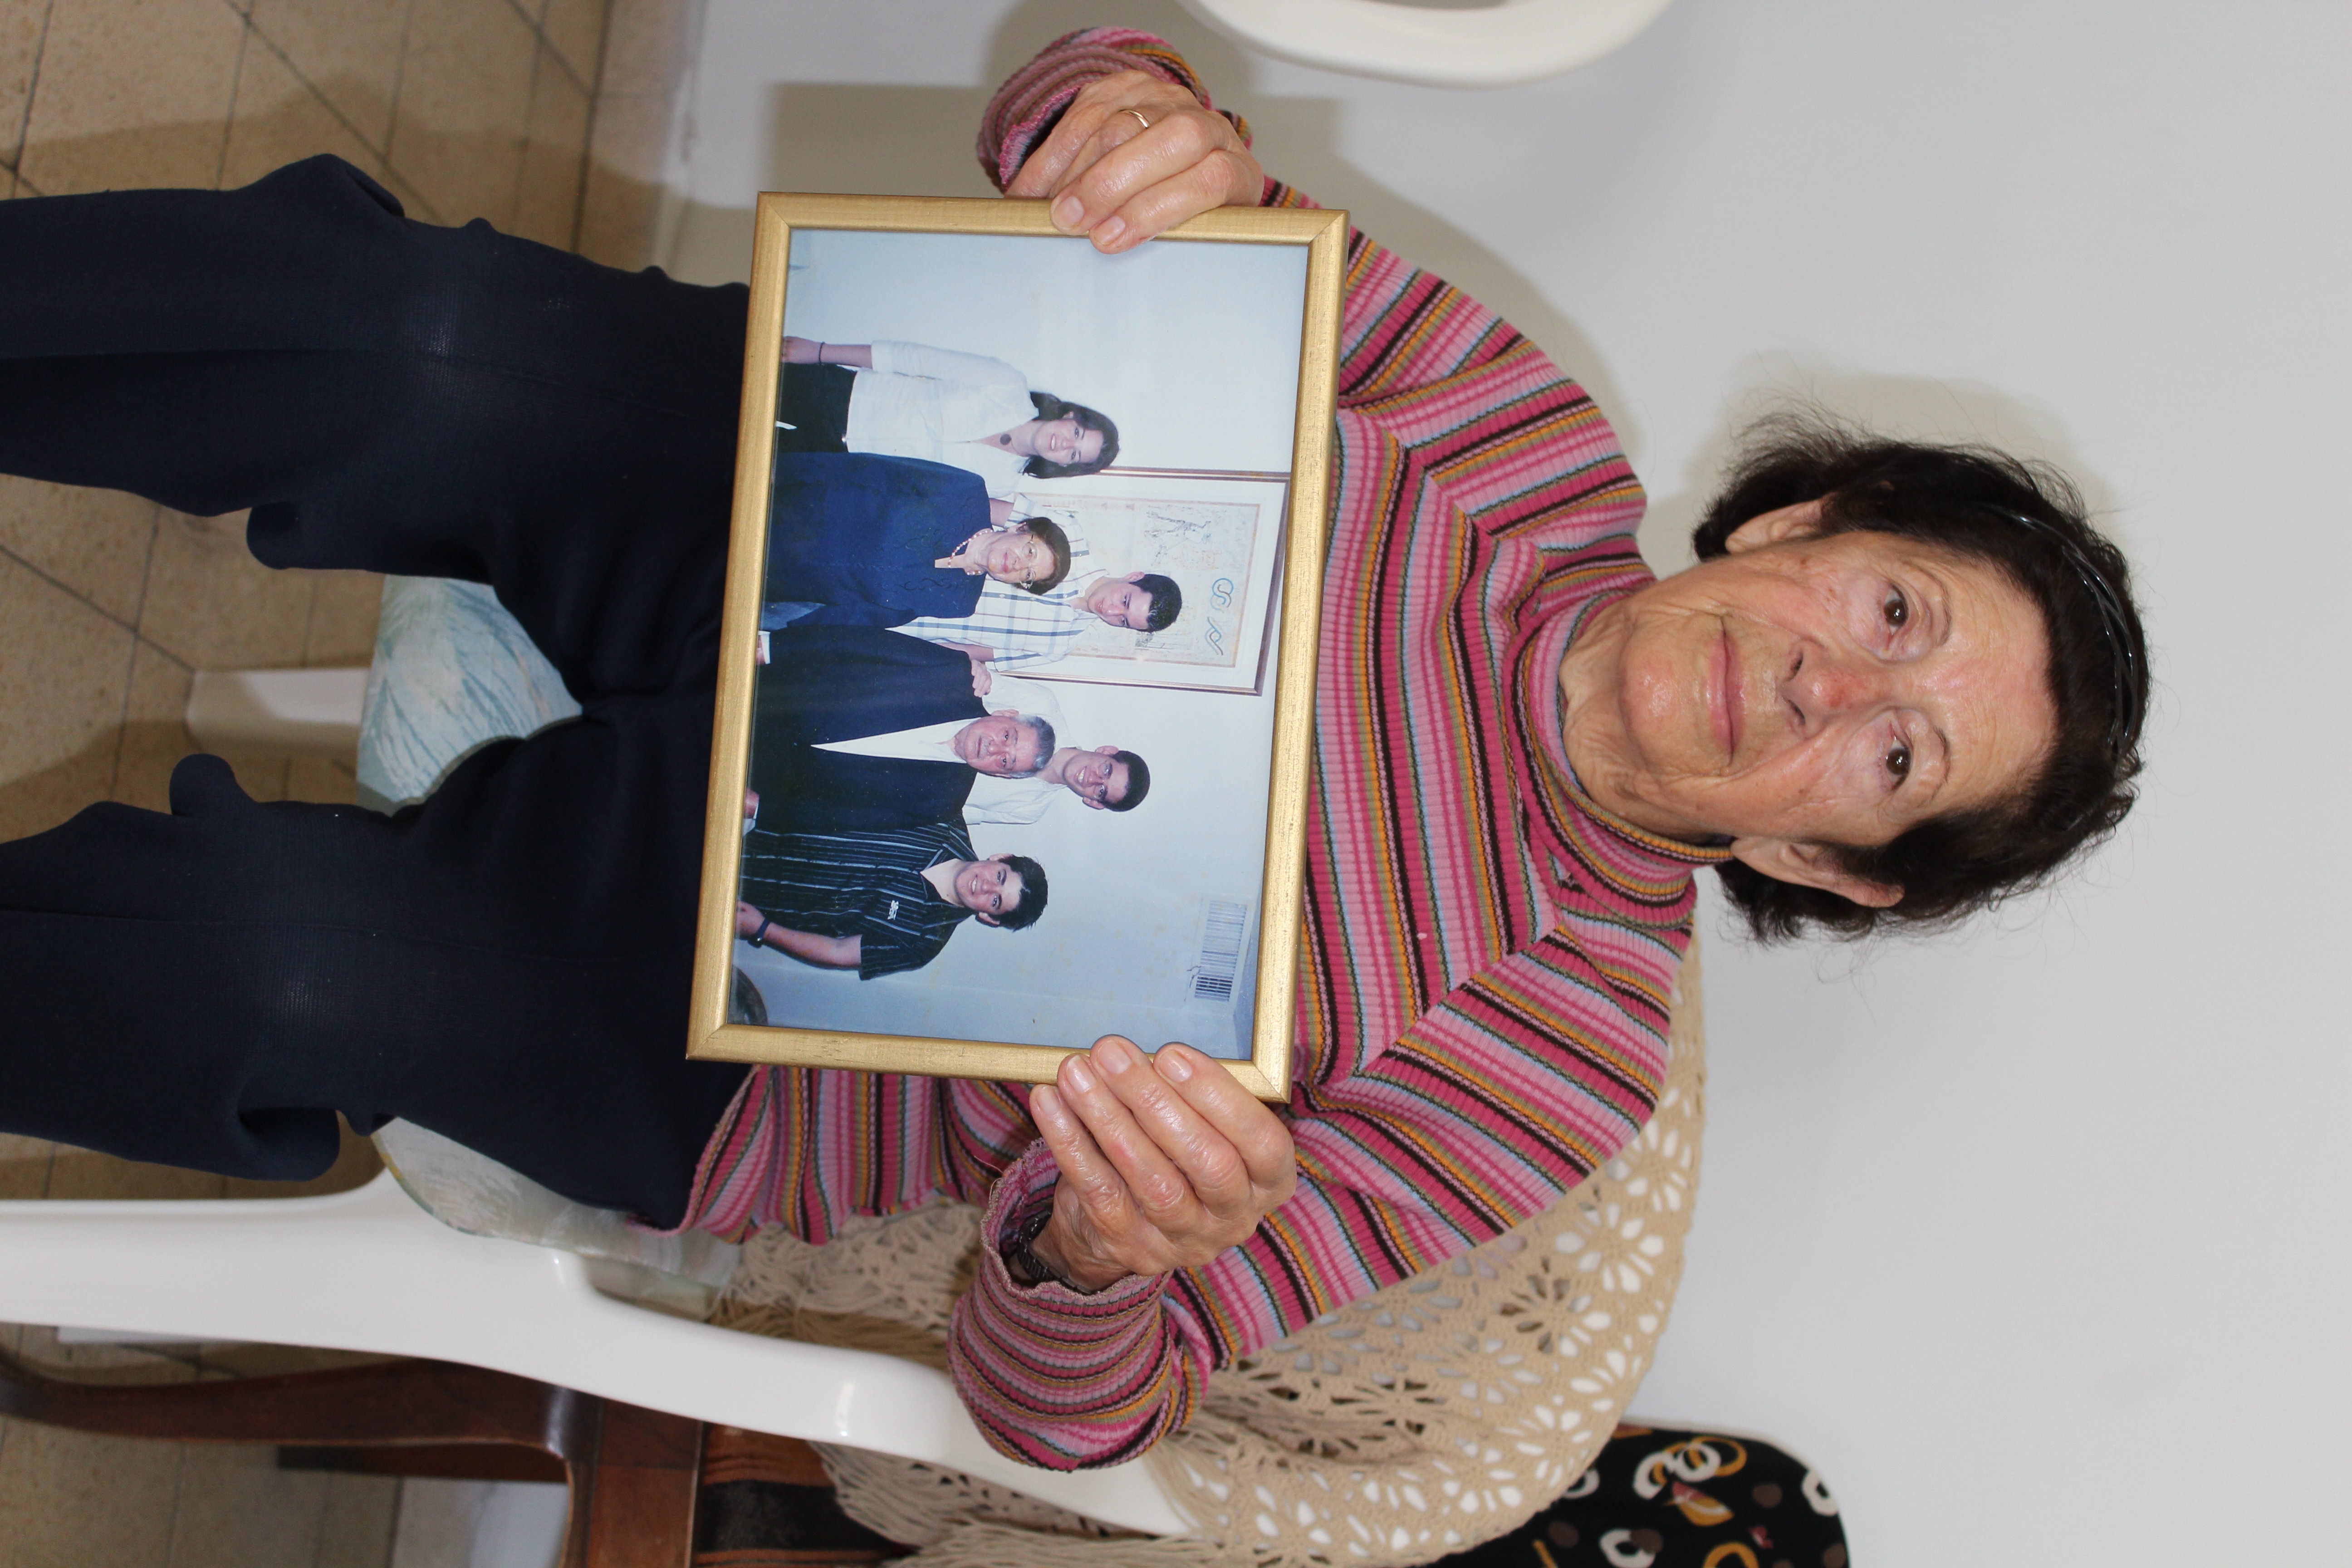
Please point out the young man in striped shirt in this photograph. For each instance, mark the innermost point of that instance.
(1014, 628)
(880, 903)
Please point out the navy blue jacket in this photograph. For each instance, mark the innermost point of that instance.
(843, 683)
(858, 533)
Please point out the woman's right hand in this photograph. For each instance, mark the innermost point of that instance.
(802, 350)
(1165, 1162)
(1120, 179)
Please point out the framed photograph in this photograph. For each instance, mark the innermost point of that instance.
(1016, 693)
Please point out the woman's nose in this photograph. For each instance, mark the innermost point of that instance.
(1825, 684)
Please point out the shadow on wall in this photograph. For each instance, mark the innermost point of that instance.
(1911, 407)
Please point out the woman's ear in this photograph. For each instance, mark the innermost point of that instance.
(1778, 526)
(1812, 865)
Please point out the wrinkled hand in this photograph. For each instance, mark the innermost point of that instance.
(1165, 1162)
(1114, 181)
(982, 679)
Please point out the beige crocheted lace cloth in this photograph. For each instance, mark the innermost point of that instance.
(1437, 1414)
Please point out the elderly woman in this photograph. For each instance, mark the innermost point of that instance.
(1901, 681)
(911, 400)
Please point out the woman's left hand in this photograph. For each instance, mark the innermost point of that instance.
(1134, 155)
(1165, 1162)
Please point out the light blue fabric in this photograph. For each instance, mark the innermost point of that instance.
(453, 670)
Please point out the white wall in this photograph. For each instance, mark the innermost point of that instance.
(2031, 1240)
(1192, 350)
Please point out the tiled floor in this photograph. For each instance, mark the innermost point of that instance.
(547, 118)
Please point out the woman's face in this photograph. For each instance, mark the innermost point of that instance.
(1065, 441)
(1011, 555)
(1801, 691)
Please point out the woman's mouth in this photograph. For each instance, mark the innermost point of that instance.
(1726, 696)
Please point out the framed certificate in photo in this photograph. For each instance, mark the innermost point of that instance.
(1015, 698)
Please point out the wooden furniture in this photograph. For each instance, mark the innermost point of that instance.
(632, 1472)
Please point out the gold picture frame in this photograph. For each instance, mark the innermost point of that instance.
(1190, 508)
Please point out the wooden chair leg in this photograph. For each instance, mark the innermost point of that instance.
(632, 1472)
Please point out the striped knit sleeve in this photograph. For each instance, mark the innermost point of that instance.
(1059, 1379)
(1027, 107)
(1453, 1089)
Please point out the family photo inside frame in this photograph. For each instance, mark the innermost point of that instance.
(1016, 704)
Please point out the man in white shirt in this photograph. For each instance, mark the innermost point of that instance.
(1104, 777)
(857, 730)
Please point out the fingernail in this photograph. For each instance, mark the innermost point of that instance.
(1068, 210)
(1106, 232)
(1080, 1078)
(1116, 1056)
(1174, 1063)
(1045, 1103)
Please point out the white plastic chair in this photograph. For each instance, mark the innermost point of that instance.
(371, 1270)
(1487, 46)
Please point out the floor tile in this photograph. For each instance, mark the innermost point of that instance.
(350, 50)
(64, 669)
(93, 542)
(132, 93)
(40, 1349)
(260, 774)
(71, 1500)
(21, 22)
(24, 1166)
(82, 1173)
(326, 781)
(274, 1361)
(344, 610)
(238, 1509)
(212, 607)
(576, 30)
(278, 118)
(622, 199)
(465, 96)
(153, 736)
(547, 204)
(644, 46)
(356, 1528)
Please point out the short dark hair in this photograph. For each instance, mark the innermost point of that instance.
(1058, 543)
(1167, 600)
(1138, 782)
(2028, 522)
(1033, 893)
(1050, 408)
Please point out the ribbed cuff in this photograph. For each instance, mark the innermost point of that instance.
(1029, 104)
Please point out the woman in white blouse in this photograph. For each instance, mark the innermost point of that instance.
(911, 400)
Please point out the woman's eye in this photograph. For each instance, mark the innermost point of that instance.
(1896, 610)
(1899, 762)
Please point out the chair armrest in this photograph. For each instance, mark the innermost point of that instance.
(369, 1270)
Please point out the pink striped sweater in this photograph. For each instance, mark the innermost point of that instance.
(1487, 955)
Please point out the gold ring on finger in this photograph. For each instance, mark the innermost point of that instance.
(1138, 117)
